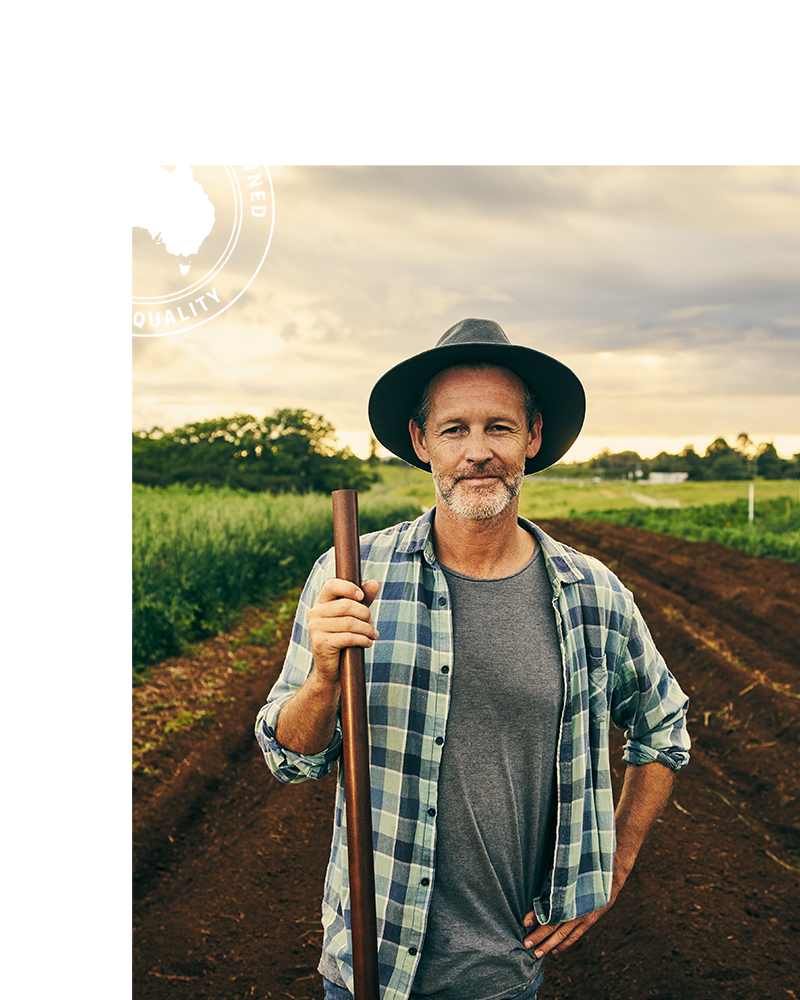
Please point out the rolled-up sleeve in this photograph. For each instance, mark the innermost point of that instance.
(648, 703)
(286, 765)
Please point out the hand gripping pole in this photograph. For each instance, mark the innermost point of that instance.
(355, 754)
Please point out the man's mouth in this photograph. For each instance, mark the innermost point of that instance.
(478, 479)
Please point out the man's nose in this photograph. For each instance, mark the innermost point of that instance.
(478, 449)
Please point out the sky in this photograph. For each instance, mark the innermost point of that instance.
(672, 292)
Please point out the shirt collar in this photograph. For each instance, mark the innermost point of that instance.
(419, 537)
(558, 559)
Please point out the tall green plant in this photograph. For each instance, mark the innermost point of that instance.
(200, 555)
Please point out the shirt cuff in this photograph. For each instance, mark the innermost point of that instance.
(639, 753)
(288, 762)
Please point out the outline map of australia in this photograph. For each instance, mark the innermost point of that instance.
(174, 209)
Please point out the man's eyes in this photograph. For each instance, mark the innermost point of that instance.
(456, 428)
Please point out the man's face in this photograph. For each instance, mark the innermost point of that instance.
(476, 440)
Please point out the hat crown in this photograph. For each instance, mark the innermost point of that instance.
(473, 331)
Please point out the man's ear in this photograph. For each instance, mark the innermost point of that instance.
(418, 441)
(534, 437)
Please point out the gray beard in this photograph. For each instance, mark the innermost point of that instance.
(482, 505)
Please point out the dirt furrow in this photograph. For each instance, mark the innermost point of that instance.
(757, 598)
(231, 878)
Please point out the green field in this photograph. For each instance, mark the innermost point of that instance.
(542, 498)
(201, 555)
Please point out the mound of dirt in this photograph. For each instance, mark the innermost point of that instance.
(229, 863)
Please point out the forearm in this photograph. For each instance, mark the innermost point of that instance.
(307, 722)
(645, 792)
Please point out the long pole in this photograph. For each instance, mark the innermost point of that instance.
(355, 753)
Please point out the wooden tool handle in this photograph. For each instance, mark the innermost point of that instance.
(355, 754)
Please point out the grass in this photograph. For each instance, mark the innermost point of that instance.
(201, 555)
(160, 719)
(272, 629)
(241, 667)
(185, 718)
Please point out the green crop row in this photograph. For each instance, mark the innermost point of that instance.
(774, 532)
(201, 555)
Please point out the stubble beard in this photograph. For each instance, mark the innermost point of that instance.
(478, 503)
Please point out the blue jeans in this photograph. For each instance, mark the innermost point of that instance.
(334, 992)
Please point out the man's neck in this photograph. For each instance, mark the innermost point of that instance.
(489, 549)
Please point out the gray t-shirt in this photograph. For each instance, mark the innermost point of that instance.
(495, 808)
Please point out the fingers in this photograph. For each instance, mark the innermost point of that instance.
(552, 939)
(545, 939)
(340, 607)
(334, 591)
(340, 619)
(540, 932)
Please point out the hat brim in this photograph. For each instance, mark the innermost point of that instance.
(558, 389)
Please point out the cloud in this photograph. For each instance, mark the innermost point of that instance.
(695, 266)
(689, 312)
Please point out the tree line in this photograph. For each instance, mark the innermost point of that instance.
(295, 451)
(744, 460)
(289, 451)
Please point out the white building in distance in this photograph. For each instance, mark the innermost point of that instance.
(660, 478)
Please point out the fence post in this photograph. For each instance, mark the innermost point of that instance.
(751, 492)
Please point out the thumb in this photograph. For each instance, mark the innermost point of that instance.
(370, 589)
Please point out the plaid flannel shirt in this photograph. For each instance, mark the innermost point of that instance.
(612, 670)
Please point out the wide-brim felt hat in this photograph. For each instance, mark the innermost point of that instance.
(558, 390)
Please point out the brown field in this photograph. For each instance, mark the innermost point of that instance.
(229, 863)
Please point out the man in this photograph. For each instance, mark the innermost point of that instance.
(495, 659)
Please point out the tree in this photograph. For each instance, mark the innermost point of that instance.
(745, 445)
(770, 464)
(724, 462)
(373, 450)
(720, 461)
(292, 450)
(663, 462)
(691, 462)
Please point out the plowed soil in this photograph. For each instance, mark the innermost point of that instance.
(229, 863)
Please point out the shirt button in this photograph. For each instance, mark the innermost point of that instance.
(442, 601)
(412, 951)
(445, 670)
(431, 812)
(425, 881)
(439, 741)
